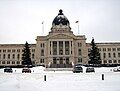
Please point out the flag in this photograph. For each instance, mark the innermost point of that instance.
(76, 21)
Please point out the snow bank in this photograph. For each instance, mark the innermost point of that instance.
(59, 80)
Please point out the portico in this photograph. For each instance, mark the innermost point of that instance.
(61, 45)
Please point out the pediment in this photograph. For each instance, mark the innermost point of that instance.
(61, 36)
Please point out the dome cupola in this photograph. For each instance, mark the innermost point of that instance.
(60, 19)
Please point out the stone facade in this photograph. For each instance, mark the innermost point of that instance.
(60, 48)
(11, 54)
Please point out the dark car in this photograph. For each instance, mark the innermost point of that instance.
(77, 69)
(116, 69)
(90, 69)
(26, 70)
(8, 70)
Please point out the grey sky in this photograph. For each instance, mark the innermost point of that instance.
(20, 20)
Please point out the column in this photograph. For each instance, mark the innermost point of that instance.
(70, 47)
(57, 47)
(51, 49)
(63, 47)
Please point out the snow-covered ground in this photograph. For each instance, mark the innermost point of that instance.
(59, 80)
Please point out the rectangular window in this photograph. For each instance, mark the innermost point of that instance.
(18, 50)
(104, 49)
(118, 49)
(33, 50)
(79, 44)
(110, 61)
(8, 62)
(109, 49)
(115, 61)
(71, 44)
(8, 50)
(79, 60)
(79, 52)
(71, 52)
(18, 62)
(13, 50)
(42, 52)
(41, 60)
(3, 62)
(50, 43)
(113, 49)
(105, 61)
(13, 62)
(4, 50)
(119, 55)
(42, 45)
(118, 61)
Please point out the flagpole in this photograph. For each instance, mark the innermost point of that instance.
(42, 27)
(78, 26)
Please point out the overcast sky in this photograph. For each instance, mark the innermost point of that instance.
(21, 20)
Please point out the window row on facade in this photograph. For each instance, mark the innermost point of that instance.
(13, 62)
(14, 50)
(111, 61)
(13, 56)
(109, 55)
(109, 49)
(10, 62)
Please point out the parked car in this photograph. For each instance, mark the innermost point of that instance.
(26, 70)
(8, 70)
(116, 69)
(90, 69)
(77, 69)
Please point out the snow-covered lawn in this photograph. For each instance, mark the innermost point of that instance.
(59, 80)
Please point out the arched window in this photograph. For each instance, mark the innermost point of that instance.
(114, 55)
(33, 56)
(3, 56)
(8, 56)
(79, 52)
(18, 56)
(13, 56)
